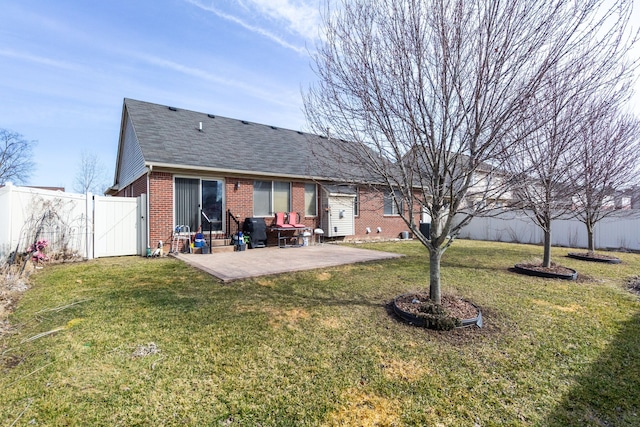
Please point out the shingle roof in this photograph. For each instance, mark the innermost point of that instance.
(172, 136)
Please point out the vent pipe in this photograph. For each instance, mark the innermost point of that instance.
(200, 127)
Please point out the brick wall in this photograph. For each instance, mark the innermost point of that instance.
(160, 209)
(135, 189)
(239, 200)
(297, 195)
(239, 194)
(371, 216)
(139, 186)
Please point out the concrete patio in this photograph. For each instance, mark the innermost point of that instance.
(229, 266)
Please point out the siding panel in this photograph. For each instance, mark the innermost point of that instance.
(132, 160)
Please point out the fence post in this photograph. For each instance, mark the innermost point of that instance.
(6, 212)
(88, 232)
(142, 224)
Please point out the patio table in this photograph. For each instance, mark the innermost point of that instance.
(298, 234)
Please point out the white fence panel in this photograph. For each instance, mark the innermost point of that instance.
(74, 224)
(619, 233)
(568, 232)
(5, 222)
(30, 214)
(508, 227)
(615, 232)
(116, 226)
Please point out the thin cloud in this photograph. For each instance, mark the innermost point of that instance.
(254, 28)
(205, 75)
(40, 60)
(299, 16)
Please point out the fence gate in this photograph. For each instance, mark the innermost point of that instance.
(119, 226)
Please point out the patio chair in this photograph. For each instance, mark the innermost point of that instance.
(292, 219)
(279, 223)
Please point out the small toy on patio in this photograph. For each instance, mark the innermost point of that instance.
(200, 244)
(240, 242)
(158, 251)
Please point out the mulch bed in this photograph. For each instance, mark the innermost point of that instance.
(555, 269)
(455, 306)
(633, 285)
(592, 256)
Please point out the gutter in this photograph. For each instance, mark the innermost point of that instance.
(200, 169)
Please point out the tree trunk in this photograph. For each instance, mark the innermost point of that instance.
(435, 256)
(546, 262)
(591, 241)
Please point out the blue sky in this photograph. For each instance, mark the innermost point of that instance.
(67, 65)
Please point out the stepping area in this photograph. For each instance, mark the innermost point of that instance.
(229, 266)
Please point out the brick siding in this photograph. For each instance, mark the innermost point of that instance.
(135, 189)
(371, 216)
(239, 201)
(160, 209)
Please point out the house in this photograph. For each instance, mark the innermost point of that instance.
(213, 172)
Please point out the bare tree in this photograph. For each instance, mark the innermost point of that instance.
(15, 157)
(427, 92)
(90, 176)
(607, 159)
(545, 167)
(540, 168)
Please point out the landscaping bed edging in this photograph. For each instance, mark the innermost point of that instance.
(418, 321)
(522, 269)
(601, 258)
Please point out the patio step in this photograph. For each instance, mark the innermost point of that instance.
(218, 242)
(221, 249)
(215, 249)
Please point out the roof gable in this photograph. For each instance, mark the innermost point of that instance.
(187, 139)
(131, 163)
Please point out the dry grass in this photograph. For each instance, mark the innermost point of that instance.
(365, 410)
(131, 341)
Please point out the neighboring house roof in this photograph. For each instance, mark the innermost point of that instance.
(161, 136)
(457, 160)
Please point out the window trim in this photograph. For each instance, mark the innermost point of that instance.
(315, 199)
(271, 194)
(394, 209)
(200, 179)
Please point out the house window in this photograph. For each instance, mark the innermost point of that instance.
(310, 200)
(281, 196)
(192, 195)
(390, 207)
(270, 197)
(262, 198)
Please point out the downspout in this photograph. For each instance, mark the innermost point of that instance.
(148, 203)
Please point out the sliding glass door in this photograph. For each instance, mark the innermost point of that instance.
(194, 195)
(212, 201)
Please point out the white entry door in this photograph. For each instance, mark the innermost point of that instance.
(341, 215)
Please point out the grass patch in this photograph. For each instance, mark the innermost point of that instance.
(132, 341)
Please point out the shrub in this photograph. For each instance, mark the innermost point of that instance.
(436, 317)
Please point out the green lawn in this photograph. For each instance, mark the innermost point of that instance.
(319, 348)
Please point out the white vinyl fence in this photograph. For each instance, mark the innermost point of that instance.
(119, 226)
(74, 225)
(621, 231)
